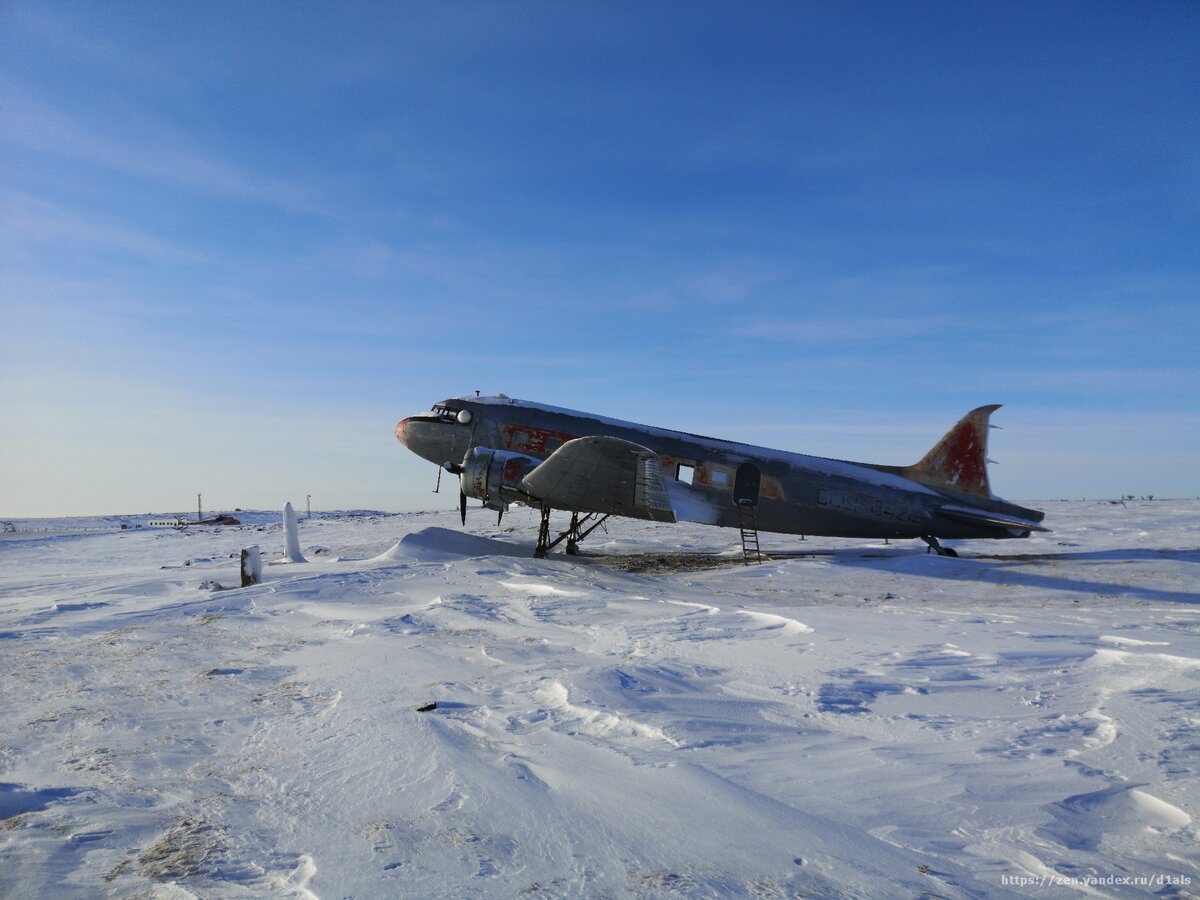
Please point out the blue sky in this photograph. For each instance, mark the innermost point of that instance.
(238, 242)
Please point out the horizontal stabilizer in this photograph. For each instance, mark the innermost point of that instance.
(983, 517)
(602, 475)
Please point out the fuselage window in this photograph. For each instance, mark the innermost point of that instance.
(552, 444)
(716, 476)
(684, 473)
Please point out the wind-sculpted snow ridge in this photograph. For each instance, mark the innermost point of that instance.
(553, 696)
(770, 621)
(423, 710)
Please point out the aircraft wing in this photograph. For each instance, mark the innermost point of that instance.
(983, 517)
(602, 475)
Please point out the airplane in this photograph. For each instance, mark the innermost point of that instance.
(508, 451)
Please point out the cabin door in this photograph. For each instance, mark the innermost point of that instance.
(746, 484)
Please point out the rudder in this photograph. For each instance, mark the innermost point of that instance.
(958, 462)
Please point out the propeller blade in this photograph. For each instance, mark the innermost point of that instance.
(462, 506)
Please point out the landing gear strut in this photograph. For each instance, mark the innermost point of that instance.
(543, 544)
(936, 546)
(573, 535)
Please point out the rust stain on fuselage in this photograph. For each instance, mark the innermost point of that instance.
(771, 489)
(533, 441)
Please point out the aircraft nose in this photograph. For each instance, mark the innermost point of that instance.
(433, 438)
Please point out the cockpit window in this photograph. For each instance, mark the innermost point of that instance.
(444, 414)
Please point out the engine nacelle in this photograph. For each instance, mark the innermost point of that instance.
(493, 475)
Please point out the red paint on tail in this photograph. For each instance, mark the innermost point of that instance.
(958, 462)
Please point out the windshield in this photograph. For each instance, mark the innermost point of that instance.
(444, 413)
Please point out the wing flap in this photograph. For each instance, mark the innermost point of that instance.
(983, 517)
(602, 475)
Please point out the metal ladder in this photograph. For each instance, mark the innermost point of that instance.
(748, 522)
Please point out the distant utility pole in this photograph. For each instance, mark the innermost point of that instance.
(199, 509)
(308, 504)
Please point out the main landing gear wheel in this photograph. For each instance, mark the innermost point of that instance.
(936, 546)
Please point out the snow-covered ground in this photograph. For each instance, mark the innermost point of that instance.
(865, 720)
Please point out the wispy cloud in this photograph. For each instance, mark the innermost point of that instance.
(135, 143)
(26, 220)
(837, 332)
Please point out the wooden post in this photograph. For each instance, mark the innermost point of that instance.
(251, 566)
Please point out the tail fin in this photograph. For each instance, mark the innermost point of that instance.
(958, 462)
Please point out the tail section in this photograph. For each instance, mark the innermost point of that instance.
(958, 462)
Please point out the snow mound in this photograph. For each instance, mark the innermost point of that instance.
(1131, 642)
(711, 610)
(1121, 810)
(536, 589)
(1106, 657)
(393, 553)
(772, 622)
(437, 543)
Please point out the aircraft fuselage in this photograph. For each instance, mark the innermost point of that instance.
(708, 478)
